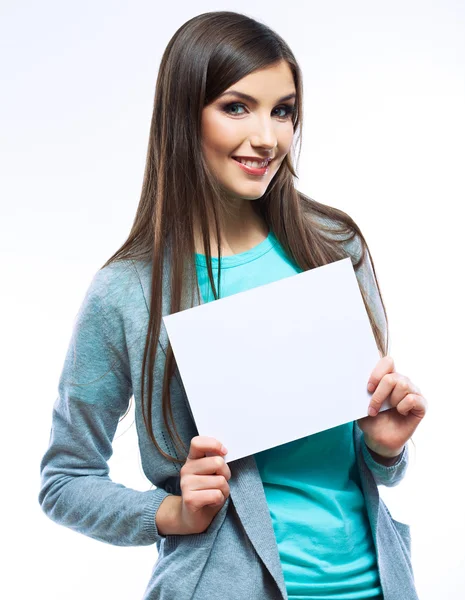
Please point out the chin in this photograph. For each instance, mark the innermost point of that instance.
(238, 196)
(253, 191)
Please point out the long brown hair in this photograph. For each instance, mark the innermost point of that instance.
(206, 56)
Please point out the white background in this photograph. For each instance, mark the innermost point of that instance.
(383, 140)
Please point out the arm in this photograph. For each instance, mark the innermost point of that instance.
(94, 391)
(382, 469)
(388, 471)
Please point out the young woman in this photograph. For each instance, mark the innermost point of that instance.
(219, 214)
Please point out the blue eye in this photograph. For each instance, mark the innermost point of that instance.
(289, 109)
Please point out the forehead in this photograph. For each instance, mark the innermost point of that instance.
(271, 82)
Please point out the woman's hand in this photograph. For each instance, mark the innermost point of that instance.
(387, 432)
(204, 484)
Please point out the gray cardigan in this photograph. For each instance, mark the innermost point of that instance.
(237, 557)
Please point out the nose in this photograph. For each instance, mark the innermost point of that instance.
(264, 135)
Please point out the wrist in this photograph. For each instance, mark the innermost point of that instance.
(383, 455)
(167, 517)
(387, 461)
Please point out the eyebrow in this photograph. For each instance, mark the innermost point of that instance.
(251, 98)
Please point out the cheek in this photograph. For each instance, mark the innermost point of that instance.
(286, 138)
(220, 136)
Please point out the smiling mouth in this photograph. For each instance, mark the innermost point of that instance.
(254, 164)
(251, 170)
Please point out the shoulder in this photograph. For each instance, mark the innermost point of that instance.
(109, 280)
(117, 283)
(114, 300)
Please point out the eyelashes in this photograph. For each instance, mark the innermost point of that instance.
(289, 109)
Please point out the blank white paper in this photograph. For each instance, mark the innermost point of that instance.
(278, 362)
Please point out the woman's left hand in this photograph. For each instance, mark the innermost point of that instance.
(387, 432)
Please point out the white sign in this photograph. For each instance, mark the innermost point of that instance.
(278, 362)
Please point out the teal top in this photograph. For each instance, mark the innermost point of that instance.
(312, 485)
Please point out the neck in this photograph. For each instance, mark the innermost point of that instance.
(240, 231)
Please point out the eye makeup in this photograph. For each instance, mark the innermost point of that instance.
(289, 109)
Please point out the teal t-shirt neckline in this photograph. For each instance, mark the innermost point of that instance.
(243, 257)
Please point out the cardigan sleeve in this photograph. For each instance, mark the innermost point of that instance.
(388, 476)
(383, 475)
(93, 393)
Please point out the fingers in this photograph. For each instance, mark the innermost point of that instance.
(397, 386)
(206, 457)
(204, 480)
(193, 483)
(403, 386)
(412, 404)
(194, 500)
(202, 444)
(211, 465)
(385, 365)
(385, 387)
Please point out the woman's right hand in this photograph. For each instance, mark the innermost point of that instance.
(204, 484)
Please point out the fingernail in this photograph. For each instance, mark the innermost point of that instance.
(371, 387)
(372, 411)
(224, 449)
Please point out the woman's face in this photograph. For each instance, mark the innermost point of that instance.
(258, 127)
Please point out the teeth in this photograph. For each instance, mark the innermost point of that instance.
(253, 163)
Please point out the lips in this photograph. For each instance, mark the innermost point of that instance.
(253, 171)
(264, 161)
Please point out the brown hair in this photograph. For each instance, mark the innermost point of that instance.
(204, 57)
